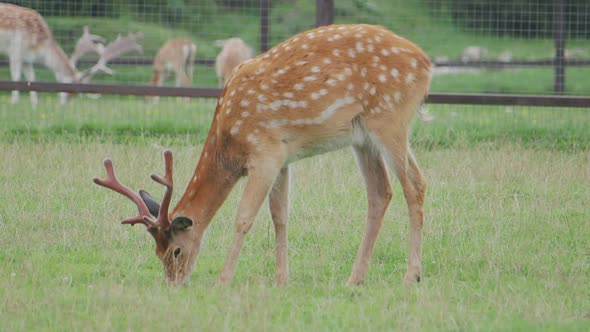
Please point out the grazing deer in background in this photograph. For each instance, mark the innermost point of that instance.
(328, 88)
(26, 38)
(178, 56)
(234, 51)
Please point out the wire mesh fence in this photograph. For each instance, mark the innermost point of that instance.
(491, 46)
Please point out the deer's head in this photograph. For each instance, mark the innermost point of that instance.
(174, 236)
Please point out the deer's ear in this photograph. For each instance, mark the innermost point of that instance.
(181, 223)
(151, 203)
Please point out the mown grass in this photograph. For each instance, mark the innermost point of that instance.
(506, 244)
(127, 118)
(506, 236)
(505, 240)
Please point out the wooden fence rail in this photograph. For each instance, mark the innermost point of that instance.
(435, 98)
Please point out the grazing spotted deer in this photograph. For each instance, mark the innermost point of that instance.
(234, 51)
(176, 55)
(26, 39)
(322, 90)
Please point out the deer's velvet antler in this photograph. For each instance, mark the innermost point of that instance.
(144, 217)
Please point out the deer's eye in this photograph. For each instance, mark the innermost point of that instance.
(176, 252)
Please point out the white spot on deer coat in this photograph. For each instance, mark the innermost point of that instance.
(261, 108)
(330, 110)
(395, 73)
(360, 47)
(252, 139)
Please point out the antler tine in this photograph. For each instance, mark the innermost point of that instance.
(87, 43)
(111, 182)
(167, 181)
(92, 37)
(116, 48)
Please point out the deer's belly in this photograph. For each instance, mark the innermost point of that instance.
(318, 147)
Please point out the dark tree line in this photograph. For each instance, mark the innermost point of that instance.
(519, 18)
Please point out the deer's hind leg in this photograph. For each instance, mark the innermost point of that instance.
(396, 151)
(374, 172)
(278, 200)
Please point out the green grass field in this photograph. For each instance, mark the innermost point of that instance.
(506, 235)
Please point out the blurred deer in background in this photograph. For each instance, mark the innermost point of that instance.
(26, 39)
(319, 91)
(234, 51)
(178, 56)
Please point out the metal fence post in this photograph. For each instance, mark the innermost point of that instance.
(559, 35)
(324, 12)
(264, 25)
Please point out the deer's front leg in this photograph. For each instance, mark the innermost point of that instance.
(29, 72)
(15, 73)
(279, 210)
(261, 177)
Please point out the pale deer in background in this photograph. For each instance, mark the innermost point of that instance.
(328, 88)
(233, 52)
(175, 56)
(26, 39)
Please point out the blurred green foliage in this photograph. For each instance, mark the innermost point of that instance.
(518, 18)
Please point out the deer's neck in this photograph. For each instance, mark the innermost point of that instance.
(213, 179)
(57, 60)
